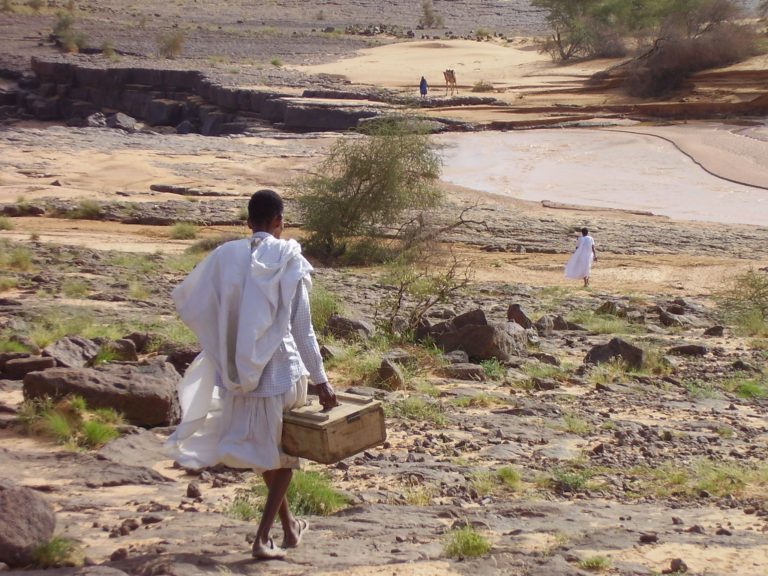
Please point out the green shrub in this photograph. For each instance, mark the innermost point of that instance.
(64, 23)
(7, 284)
(419, 410)
(5, 223)
(366, 184)
(466, 543)
(171, 43)
(749, 388)
(205, 245)
(745, 303)
(183, 231)
(96, 434)
(483, 34)
(494, 369)
(57, 552)
(108, 49)
(510, 478)
(276, 62)
(86, 210)
(18, 258)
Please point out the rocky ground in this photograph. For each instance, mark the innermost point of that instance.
(565, 466)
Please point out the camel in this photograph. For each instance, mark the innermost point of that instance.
(450, 81)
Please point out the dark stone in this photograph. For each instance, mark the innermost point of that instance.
(124, 349)
(122, 121)
(616, 348)
(481, 342)
(670, 319)
(472, 318)
(545, 325)
(743, 366)
(608, 307)
(193, 491)
(181, 358)
(330, 351)
(649, 538)
(17, 368)
(27, 520)
(464, 371)
(72, 351)
(185, 127)
(96, 120)
(544, 383)
(348, 328)
(457, 357)
(715, 331)
(144, 393)
(401, 357)
(515, 313)
(689, 350)
(390, 375)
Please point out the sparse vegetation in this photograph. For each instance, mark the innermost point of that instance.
(750, 388)
(595, 563)
(6, 6)
(86, 210)
(35, 5)
(418, 409)
(366, 184)
(171, 44)
(482, 86)
(205, 245)
(183, 231)
(17, 258)
(322, 304)
(276, 62)
(69, 422)
(466, 542)
(58, 551)
(745, 303)
(430, 18)
(74, 288)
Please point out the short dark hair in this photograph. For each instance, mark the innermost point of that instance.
(264, 206)
(584, 231)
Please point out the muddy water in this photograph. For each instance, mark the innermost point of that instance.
(598, 168)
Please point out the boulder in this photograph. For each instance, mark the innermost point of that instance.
(390, 375)
(545, 326)
(715, 331)
(72, 351)
(17, 368)
(348, 328)
(689, 350)
(27, 520)
(122, 121)
(671, 319)
(616, 348)
(96, 120)
(401, 357)
(123, 349)
(464, 371)
(560, 323)
(481, 342)
(456, 357)
(608, 307)
(144, 393)
(181, 358)
(515, 313)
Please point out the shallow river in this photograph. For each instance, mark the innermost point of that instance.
(598, 168)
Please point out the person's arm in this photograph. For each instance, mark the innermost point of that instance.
(594, 254)
(309, 349)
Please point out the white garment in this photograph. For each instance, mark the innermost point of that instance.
(580, 264)
(238, 303)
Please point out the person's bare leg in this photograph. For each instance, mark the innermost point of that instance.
(586, 281)
(288, 521)
(278, 483)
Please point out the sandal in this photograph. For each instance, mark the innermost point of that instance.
(267, 551)
(303, 527)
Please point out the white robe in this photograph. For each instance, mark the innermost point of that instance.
(580, 264)
(237, 301)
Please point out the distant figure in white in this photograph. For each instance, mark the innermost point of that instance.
(580, 265)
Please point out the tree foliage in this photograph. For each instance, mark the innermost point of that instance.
(366, 184)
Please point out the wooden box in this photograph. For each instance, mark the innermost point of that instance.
(327, 437)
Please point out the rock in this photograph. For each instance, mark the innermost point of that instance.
(560, 323)
(330, 351)
(481, 342)
(608, 307)
(193, 491)
(545, 325)
(670, 319)
(349, 328)
(649, 537)
(185, 127)
(689, 350)
(616, 348)
(27, 520)
(544, 383)
(17, 368)
(515, 313)
(96, 120)
(743, 366)
(72, 351)
(181, 358)
(124, 350)
(144, 393)
(457, 357)
(122, 121)
(390, 375)
(140, 340)
(715, 331)
(676, 566)
(401, 357)
(545, 358)
(464, 371)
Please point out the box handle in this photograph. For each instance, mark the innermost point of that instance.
(353, 418)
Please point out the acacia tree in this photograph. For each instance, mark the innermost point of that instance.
(366, 184)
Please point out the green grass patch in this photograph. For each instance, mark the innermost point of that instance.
(749, 388)
(16, 258)
(244, 508)
(702, 390)
(57, 552)
(481, 400)
(357, 364)
(74, 288)
(86, 210)
(503, 480)
(323, 304)
(69, 422)
(418, 409)
(494, 369)
(205, 245)
(576, 425)
(8, 283)
(5, 223)
(595, 563)
(137, 290)
(183, 231)
(466, 543)
(604, 323)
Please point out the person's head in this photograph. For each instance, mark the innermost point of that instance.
(265, 212)
(584, 231)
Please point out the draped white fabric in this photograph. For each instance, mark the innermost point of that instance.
(580, 264)
(237, 301)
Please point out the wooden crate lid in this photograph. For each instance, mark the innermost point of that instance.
(314, 416)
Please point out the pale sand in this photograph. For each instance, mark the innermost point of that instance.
(400, 66)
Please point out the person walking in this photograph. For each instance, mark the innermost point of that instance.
(423, 87)
(579, 266)
(248, 304)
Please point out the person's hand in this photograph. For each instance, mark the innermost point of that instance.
(327, 395)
